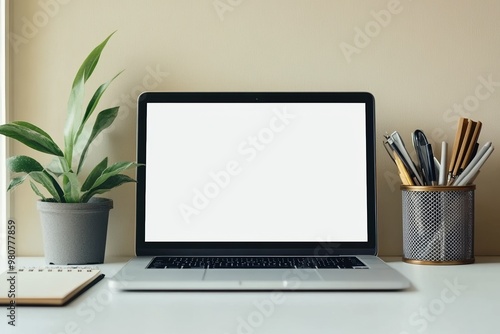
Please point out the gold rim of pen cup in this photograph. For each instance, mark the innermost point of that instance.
(438, 188)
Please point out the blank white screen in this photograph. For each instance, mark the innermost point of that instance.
(256, 172)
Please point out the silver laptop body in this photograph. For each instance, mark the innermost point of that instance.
(256, 191)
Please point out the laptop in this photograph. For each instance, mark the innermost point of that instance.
(256, 191)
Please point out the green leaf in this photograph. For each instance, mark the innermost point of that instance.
(93, 104)
(73, 118)
(58, 166)
(94, 174)
(71, 188)
(103, 120)
(37, 191)
(113, 170)
(23, 164)
(49, 183)
(112, 182)
(31, 136)
(75, 102)
(88, 65)
(16, 181)
(32, 127)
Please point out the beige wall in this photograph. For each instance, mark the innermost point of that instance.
(421, 60)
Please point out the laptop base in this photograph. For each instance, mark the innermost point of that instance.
(379, 276)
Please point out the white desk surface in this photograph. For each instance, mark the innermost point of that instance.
(443, 299)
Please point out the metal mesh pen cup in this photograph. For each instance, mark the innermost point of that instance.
(438, 224)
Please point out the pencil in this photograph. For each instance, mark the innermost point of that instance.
(456, 146)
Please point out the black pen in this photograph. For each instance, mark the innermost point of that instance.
(430, 163)
(420, 144)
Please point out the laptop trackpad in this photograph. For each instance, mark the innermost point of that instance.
(262, 275)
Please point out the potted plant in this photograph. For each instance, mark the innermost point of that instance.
(74, 221)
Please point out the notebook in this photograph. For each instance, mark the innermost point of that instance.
(46, 286)
(256, 191)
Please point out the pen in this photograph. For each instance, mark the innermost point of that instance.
(474, 151)
(470, 175)
(405, 157)
(442, 169)
(469, 130)
(416, 145)
(470, 148)
(461, 169)
(430, 165)
(398, 152)
(388, 149)
(474, 161)
(437, 167)
(425, 156)
(459, 135)
(403, 173)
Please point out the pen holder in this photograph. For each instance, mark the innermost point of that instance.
(438, 224)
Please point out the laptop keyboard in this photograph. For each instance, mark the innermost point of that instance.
(230, 262)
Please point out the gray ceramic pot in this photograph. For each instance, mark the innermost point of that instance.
(75, 233)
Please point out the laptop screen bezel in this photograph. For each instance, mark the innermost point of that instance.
(144, 247)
